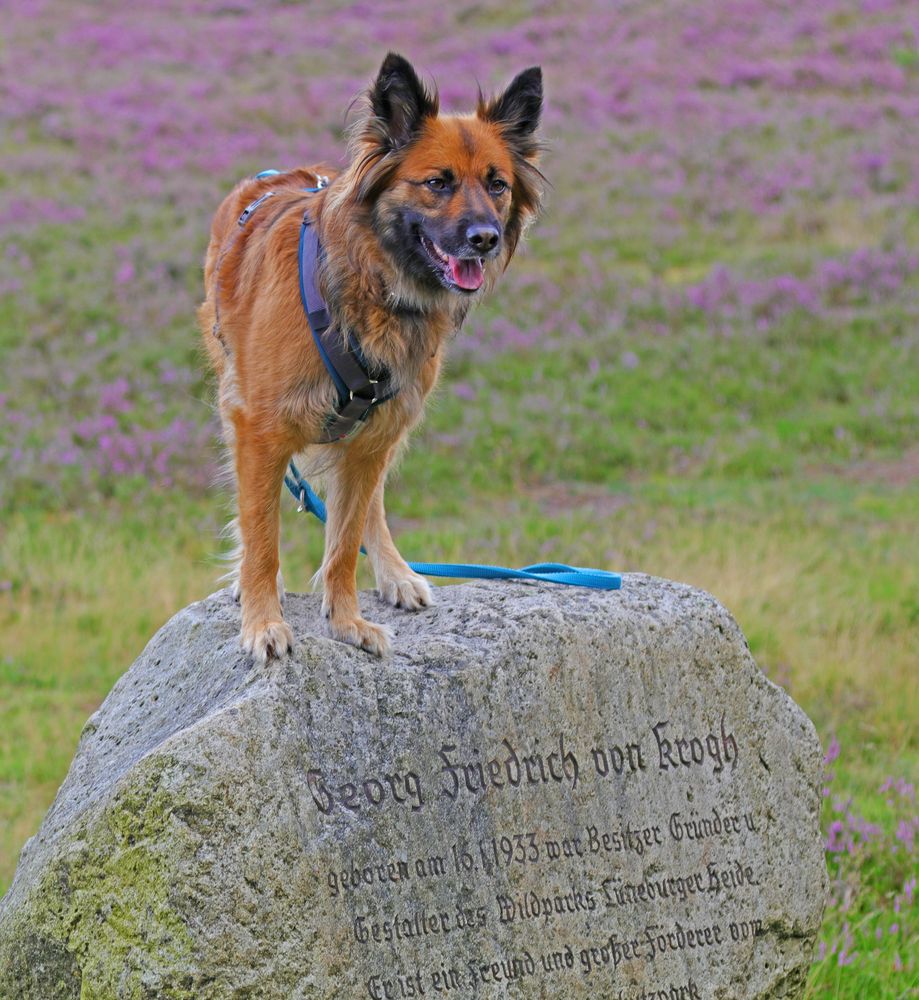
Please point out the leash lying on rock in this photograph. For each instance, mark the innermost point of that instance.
(574, 576)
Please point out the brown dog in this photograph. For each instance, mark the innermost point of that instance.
(425, 217)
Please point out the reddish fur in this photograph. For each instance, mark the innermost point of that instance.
(274, 392)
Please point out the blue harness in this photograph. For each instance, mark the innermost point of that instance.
(360, 391)
(360, 387)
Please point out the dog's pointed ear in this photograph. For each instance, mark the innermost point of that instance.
(517, 111)
(400, 101)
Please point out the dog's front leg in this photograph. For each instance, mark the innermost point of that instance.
(261, 457)
(396, 582)
(352, 483)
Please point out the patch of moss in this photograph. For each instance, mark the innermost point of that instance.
(105, 912)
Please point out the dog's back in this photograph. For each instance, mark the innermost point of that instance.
(247, 253)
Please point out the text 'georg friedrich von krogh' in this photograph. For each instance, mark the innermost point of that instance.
(450, 774)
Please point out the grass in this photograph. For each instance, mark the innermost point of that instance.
(706, 367)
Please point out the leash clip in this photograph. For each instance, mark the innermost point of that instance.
(302, 506)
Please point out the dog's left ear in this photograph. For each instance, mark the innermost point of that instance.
(400, 101)
(517, 110)
(516, 113)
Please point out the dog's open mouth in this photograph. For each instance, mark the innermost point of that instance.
(465, 273)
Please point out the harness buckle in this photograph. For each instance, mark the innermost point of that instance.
(251, 207)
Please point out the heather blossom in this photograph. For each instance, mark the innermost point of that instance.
(682, 119)
(873, 887)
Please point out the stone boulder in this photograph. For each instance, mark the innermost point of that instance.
(546, 792)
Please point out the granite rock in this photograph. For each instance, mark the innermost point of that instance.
(546, 792)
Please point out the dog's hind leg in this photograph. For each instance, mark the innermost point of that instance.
(396, 582)
(351, 485)
(227, 477)
(261, 458)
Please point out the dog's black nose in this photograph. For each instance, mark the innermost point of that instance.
(483, 238)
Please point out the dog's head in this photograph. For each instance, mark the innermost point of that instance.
(449, 195)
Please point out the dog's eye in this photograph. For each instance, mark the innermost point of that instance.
(437, 184)
(497, 186)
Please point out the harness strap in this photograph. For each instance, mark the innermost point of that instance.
(358, 392)
(313, 303)
(227, 247)
(251, 207)
(359, 389)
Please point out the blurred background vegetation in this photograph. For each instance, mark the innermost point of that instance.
(704, 366)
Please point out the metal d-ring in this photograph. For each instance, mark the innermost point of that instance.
(372, 381)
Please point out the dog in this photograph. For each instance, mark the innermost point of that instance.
(414, 230)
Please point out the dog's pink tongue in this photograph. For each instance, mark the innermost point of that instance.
(467, 273)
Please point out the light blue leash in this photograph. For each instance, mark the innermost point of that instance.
(574, 576)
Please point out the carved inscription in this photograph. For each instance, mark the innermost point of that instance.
(513, 769)
(602, 901)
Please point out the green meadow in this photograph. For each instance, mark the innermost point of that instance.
(704, 365)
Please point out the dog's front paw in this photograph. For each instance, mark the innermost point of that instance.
(267, 639)
(375, 639)
(409, 591)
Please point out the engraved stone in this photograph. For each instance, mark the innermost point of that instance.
(547, 792)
